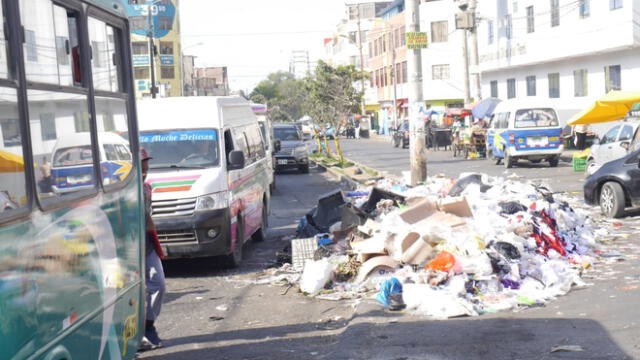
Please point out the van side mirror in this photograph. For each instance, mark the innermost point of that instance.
(236, 160)
(277, 145)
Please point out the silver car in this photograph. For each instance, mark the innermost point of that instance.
(612, 146)
(293, 153)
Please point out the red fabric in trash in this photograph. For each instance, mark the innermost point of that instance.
(550, 240)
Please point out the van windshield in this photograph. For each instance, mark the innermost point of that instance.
(533, 118)
(181, 148)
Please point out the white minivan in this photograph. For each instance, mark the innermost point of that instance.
(209, 174)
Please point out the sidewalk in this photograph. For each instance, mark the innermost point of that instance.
(567, 155)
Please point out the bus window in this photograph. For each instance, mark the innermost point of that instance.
(4, 65)
(104, 40)
(51, 46)
(113, 136)
(60, 137)
(13, 194)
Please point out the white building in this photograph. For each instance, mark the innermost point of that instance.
(442, 61)
(570, 52)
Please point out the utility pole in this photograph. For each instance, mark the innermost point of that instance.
(465, 71)
(477, 93)
(416, 100)
(152, 51)
(395, 80)
(362, 106)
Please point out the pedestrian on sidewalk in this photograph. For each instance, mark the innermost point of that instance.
(154, 273)
(581, 136)
(357, 123)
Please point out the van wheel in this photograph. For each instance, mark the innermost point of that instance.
(261, 234)
(612, 200)
(235, 258)
(553, 162)
(508, 160)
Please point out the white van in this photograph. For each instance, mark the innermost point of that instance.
(525, 129)
(72, 161)
(269, 144)
(209, 174)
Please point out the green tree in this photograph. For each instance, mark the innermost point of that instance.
(283, 94)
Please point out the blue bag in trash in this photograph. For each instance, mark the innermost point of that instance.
(390, 295)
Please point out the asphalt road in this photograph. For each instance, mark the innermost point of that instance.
(214, 313)
(378, 153)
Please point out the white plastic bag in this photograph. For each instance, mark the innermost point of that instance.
(315, 276)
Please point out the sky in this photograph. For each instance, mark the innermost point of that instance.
(255, 37)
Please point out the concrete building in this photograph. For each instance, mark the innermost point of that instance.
(211, 81)
(570, 52)
(188, 75)
(163, 16)
(387, 66)
(442, 61)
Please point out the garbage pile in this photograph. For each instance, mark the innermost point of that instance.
(446, 248)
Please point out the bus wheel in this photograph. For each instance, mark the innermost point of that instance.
(235, 258)
(261, 233)
(553, 162)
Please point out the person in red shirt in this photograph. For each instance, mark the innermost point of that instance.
(154, 273)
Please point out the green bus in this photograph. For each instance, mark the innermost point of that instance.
(71, 219)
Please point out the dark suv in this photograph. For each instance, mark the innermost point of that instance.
(293, 152)
(615, 186)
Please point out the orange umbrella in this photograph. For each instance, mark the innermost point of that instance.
(10, 162)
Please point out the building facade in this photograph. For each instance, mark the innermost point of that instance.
(442, 61)
(569, 52)
(387, 65)
(211, 81)
(161, 18)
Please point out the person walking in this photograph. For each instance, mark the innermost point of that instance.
(154, 273)
(581, 136)
(357, 129)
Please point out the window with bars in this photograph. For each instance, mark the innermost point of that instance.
(531, 85)
(580, 83)
(530, 20)
(554, 85)
(167, 72)
(612, 78)
(511, 88)
(439, 31)
(440, 72)
(490, 32)
(494, 88)
(585, 8)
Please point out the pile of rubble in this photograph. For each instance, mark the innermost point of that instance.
(446, 248)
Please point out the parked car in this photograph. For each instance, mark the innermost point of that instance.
(401, 135)
(524, 129)
(613, 145)
(615, 185)
(293, 153)
(209, 175)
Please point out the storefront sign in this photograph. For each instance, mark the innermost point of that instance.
(140, 60)
(416, 40)
(166, 59)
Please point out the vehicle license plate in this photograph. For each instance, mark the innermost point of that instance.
(72, 180)
(537, 141)
(282, 162)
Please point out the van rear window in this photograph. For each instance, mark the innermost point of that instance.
(534, 118)
(72, 156)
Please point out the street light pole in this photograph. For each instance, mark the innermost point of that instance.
(416, 101)
(152, 51)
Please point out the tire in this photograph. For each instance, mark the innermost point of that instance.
(304, 169)
(536, 161)
(553, 162)
(261, 234)
(612, 200)
(508, 160)
(235, 258)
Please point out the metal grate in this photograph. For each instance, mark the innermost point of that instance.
(301, 251)
(166, 208)
(177, 236)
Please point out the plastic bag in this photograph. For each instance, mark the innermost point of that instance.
(315, 276)
(444, 261)
(390, 294)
